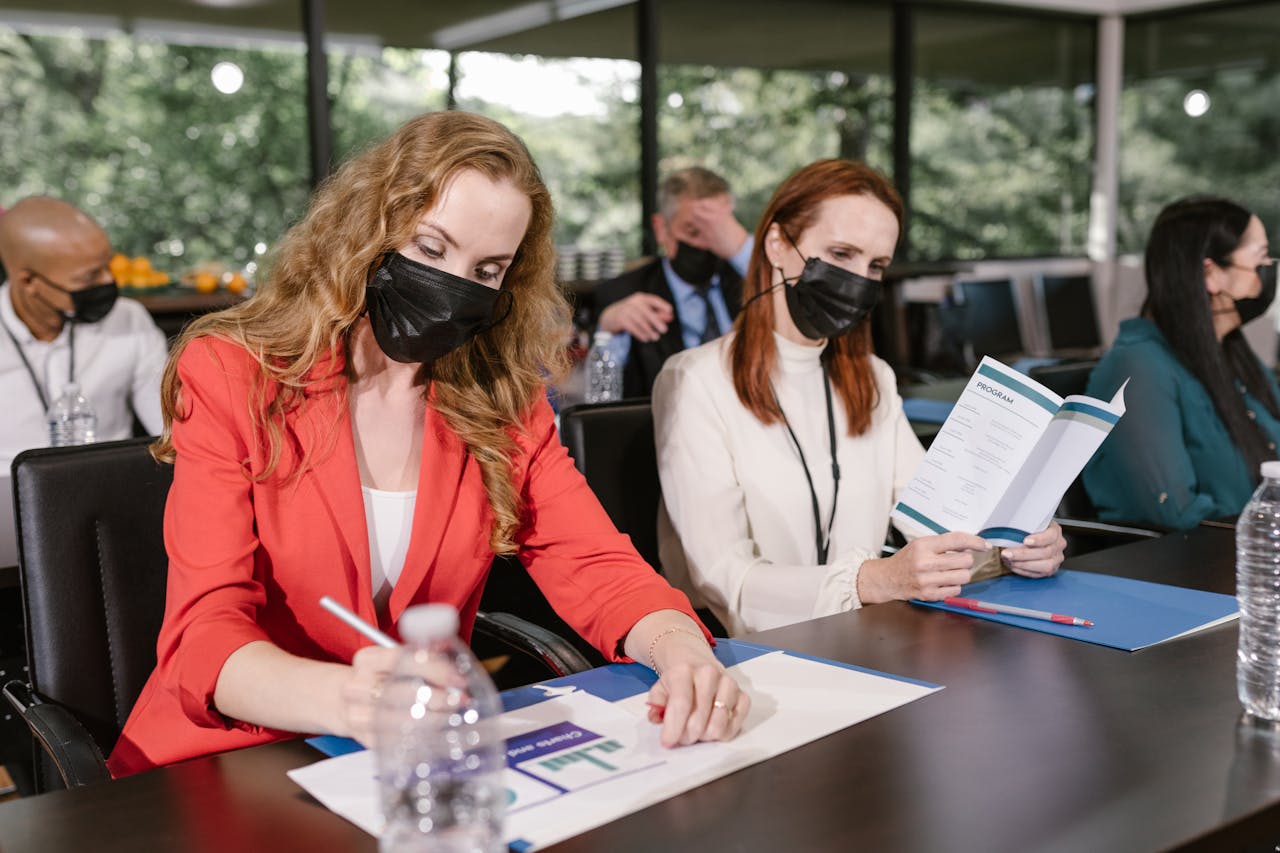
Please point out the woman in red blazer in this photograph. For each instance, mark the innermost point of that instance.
(372, 426)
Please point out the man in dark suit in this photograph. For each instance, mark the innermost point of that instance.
(688, 297)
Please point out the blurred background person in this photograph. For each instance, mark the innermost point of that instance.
(782, 447)
(691, 294)
(1201, 409)
(63, 323)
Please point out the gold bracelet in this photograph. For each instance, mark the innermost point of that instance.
(653, 644)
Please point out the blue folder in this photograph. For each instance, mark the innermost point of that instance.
(1127, 614)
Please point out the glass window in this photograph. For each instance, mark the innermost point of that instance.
(1198, 114)
(375, 90)
(755, 92)
(1001, 134)
(186, 154)
(580, 119)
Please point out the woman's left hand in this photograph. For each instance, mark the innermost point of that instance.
(695, 699)
(1039, 555)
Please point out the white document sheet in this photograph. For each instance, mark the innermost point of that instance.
(586, 761)
(1004, 457)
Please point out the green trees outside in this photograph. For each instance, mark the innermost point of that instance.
(132, 130)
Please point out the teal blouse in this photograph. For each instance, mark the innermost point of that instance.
(1170, 460)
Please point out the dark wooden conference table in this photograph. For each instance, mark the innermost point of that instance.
(1038, 743)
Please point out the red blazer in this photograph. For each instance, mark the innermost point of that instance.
(250, 558)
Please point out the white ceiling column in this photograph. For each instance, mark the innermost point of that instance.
(1101, 242)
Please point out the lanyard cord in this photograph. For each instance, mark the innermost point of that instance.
(35, 380)
(823, 542)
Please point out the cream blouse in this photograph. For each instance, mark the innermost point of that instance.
(736, 529)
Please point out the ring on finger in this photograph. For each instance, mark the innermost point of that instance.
(723, 706)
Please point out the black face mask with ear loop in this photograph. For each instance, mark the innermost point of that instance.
(1253, 307)
(90, 304)
(827, 301)
(694, 265)
(420, 313)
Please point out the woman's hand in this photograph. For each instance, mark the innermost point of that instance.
(359, 692)
(695, 698)
(929, 568)
(1040, 553)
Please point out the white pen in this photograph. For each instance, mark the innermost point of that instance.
(356, 622)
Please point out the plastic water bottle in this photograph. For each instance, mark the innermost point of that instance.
(71, 419)
(604, 373)
(440, 757)
(1258, 590)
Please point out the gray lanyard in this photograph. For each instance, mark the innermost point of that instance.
(35, 380)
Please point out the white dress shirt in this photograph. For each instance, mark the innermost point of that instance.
(118, 365)
(736, 529)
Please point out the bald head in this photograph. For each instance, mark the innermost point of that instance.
(39, 232)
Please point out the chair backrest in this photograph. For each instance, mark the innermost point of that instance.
(1064, 378)
(1066, 304)
(990, 318)
(93, 567)
(612, 445)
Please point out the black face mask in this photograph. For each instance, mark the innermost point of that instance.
(90, 304)
(1253, 307)
(694, 265)
(420, 313)
(826, 300)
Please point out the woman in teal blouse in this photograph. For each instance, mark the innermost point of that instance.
(1202, 411)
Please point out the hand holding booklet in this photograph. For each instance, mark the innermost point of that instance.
(1004, 457)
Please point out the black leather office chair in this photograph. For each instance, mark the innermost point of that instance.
(1067, 306)
(612, 445)
(990, 316)
(93, 571)
(1064, 378)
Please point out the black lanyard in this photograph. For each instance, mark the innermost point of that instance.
(35, 380)
(823, 542)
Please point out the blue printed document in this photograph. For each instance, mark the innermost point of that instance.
(581, 751)
(1005, 456)
(1126, 614)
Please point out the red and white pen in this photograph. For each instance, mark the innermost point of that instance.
(992, 607)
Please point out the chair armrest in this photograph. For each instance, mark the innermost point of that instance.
(72, 749)
(556, 653)
(1121, 532)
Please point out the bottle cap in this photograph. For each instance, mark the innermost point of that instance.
(427, 622)
(602, 337)
(1271, 470)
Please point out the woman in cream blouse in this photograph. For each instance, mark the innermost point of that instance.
(782, 446)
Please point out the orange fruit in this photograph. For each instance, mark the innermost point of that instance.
(206, 282)
(237, 283)
(120, 266)
(141, 265)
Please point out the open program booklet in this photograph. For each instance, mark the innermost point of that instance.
(1004, 458)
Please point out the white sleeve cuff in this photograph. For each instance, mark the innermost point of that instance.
(838, 591)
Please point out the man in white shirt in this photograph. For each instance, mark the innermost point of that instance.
(62, 323)
(688, 297)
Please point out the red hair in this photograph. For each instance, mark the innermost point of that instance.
(753, 352)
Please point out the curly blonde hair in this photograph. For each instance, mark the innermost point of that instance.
(305, 307)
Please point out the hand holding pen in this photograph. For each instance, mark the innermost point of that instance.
(369, 669)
